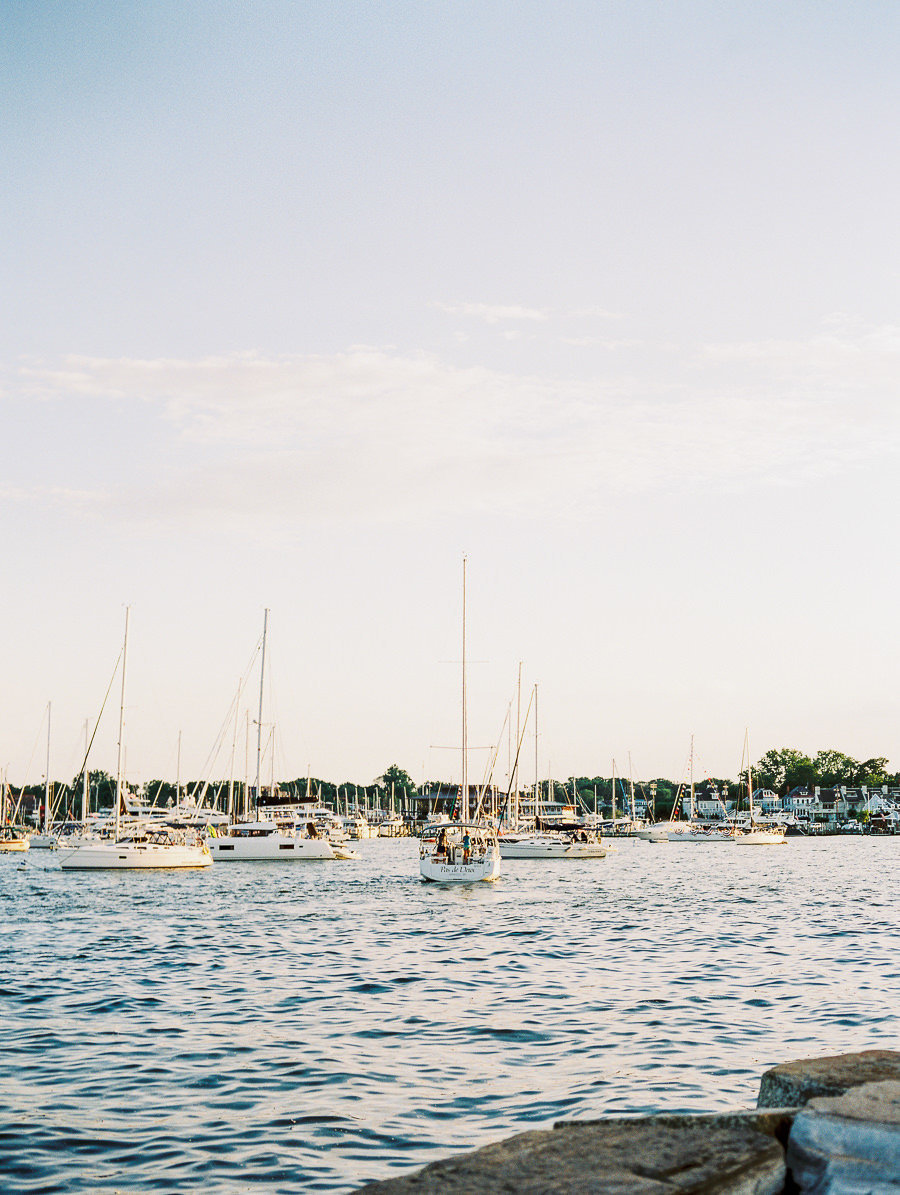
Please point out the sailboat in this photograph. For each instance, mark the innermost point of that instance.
(756, 834)
(262, 838)
(143, 847)
(465, 851)
(12, 837)
(693, 830)
(44, 838)
(571, 842)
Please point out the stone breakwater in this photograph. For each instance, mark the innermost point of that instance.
(822, 1126)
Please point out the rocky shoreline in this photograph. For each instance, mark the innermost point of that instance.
(822, 1126)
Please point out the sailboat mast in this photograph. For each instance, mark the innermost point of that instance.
(537, 782)
(631, 784)
(692, 777)
(614, 796)
(47, 778)
(262, 678)
(518, 737)
(749, 778)
(121, 746)
(237, 705)
(465, 723)
(272, 768)
(86, 776)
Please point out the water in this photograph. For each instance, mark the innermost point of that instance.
(308, 1027)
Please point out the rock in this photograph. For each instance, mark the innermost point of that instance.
(849, 1145)
(795, 1083)
(658, 1155)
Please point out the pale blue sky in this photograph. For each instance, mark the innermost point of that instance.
(303, 300)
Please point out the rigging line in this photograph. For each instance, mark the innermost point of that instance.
(492, 763)
(37, 737)
(206, 771)
(100, 715)
(515, 767)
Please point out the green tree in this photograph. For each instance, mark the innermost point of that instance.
(784, 768)
(401, 780)
(834, 767)
(872, 772)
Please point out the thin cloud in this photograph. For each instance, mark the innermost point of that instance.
(495, 313)
(376, 433)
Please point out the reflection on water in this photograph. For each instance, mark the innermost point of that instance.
(308, 1027)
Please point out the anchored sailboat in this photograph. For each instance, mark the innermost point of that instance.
(465, 851)
(142, 847)
(756, 834)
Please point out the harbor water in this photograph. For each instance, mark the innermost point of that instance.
(311, 1026)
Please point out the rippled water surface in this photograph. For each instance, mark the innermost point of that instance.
(311, 1026)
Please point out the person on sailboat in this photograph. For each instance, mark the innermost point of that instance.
(467, 846)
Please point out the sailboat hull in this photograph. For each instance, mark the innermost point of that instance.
(476, 871)
(542, 847)
(760, 838)
(8, 845)
(116, 856)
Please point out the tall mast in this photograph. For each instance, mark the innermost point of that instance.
(121, 746)
(246, 763)
(631, 785)
(272, 769)
(47, 778)
(178, 773)
(237, 707)
(537, 782)
(692, 777)
(465, 724)
(262, 678)
(614, 796)
(749, 777)
(518, 735)
(85, 782)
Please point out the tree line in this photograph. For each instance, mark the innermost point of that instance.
(779, 769)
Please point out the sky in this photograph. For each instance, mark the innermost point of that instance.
(304, 301)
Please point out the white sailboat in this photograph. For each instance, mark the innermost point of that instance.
(757, 834)
(143, 847)
(580, 843)
(265, 838)
(466, 851)
(694, 830)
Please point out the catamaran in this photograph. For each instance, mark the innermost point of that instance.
(266, 837)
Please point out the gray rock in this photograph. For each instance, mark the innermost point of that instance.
(795, 1083)
(849, 1145)
(658, 1155)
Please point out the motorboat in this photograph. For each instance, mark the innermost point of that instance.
(13, 838)
(391, 827)
(263, 840)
